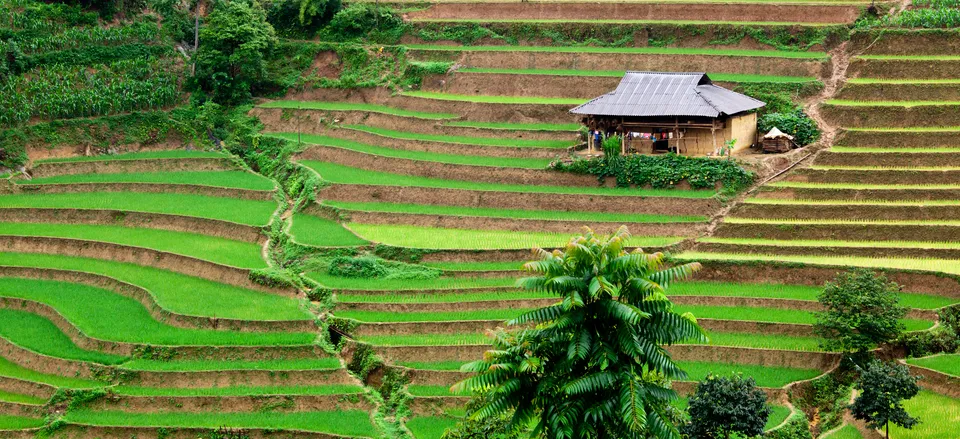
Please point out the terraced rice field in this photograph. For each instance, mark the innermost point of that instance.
(141, 275)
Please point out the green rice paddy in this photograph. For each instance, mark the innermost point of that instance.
(908, 104)
(834, 221)
(352, 106)
(209, 248)
(321, 232)
(799, 202)
(452, 316)
(221, 365)
(84, 306)
(143, 155)
(863, 186)
(531, 21)
(491, 99)
(509, 126)
(718, 77)
(484, 141)
(940, 416)
(946, 363)
(173, 291)
(430, 427)
(454, 267)
(8, 422)
(906, 263)
(846, 432)
(341, 422)
(747, 340)
(442, 298)
(546, 215)
(13, 370)
(786, 291)
(454, 159)
(380, 284)
(911, 57)
(893, 150)
(340, 174)
(628, 50)
(902, 81)
(17, 398)
(255, 213)
(40, 335)
(440, 238)
(224, 179)
(942, 245)
(330, 389)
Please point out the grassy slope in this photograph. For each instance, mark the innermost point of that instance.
(227, 179)
(514, 213)
(209, 248)
(175, 292)
(85, 307)
(255, 213)
(346, 175)
(439, 238)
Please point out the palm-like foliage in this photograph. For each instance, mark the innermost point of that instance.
(593, 365)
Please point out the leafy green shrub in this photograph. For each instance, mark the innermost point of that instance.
(303, 18)
(725, 406)
(662, 171)
(797, 428)
(365, 20)
(796, 123)
(272, 277)
(944, 338)
(861, 310)
(612, 147)
(361, 267)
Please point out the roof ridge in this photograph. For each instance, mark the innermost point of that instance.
(696, 90)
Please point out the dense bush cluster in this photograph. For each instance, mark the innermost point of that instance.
(796, 123)
(662, 171)
(943, 338)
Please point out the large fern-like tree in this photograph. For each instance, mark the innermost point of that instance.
(593, 365)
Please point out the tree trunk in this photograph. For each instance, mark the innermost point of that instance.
(888, 429)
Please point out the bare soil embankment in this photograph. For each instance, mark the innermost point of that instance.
(520, 200)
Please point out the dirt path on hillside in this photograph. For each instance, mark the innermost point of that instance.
(839, 62)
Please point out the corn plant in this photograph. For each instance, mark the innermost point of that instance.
(58, 91)
(85, 36)
(929, 18)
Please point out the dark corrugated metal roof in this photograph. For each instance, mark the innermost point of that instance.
(668, 94)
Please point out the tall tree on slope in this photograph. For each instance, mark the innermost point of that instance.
(594, 366)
